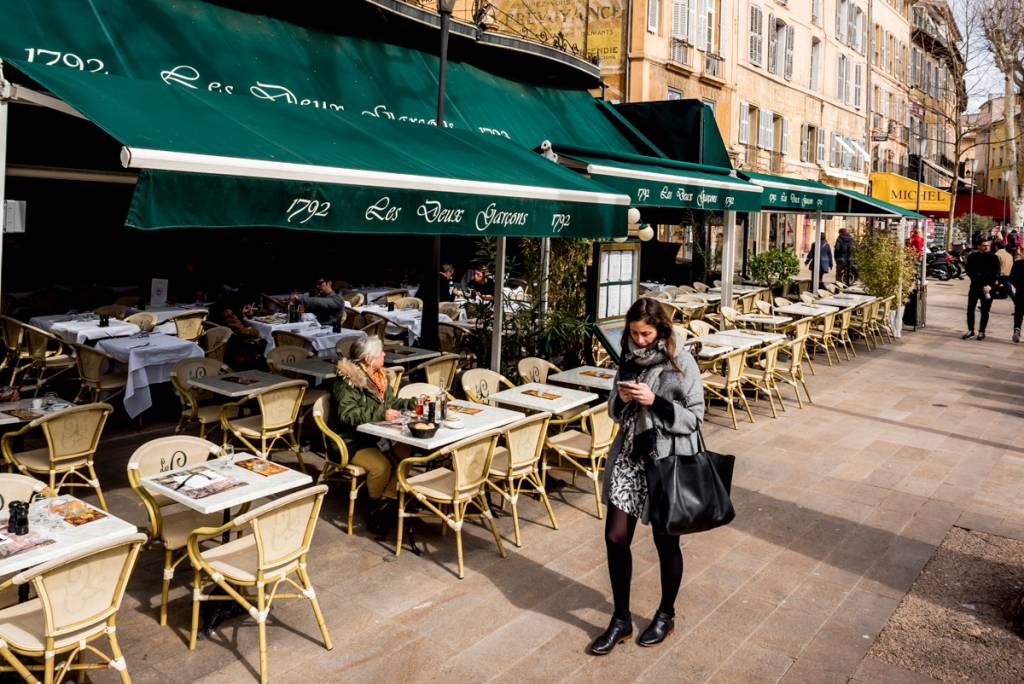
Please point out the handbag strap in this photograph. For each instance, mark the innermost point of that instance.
(701, 444)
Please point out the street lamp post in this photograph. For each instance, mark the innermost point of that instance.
(429, 286)
(970, 214)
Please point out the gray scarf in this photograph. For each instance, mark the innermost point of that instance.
(640, 364)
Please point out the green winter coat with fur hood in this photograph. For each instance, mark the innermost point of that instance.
(356, 402)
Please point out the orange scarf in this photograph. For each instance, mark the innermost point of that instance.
(380, 381)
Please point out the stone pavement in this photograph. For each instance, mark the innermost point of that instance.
(840, 505)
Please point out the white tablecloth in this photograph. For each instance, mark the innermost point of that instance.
(81, 331)
(168, 310)
(267, 329)
(323, 340)
(372, 292)
(149, 360)
(410, 319)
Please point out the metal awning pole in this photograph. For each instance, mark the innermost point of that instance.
(819, 228)
(499, 306)
(728, 260)
(545, 271)
(3, 178)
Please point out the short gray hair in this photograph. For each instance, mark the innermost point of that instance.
(365, 349)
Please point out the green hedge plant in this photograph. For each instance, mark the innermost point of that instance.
(774, 267)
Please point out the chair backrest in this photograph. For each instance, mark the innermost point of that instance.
(450, 309)
(471, 461)
(394, 374)
(115, 310)
(734, 365)
(14, 334)
(480, 383)
(321, 413)
(536, 369)
(408, 303)
(886, 306)
(700, 328)
(600, 426)
(716, 283)
(285, 338)
(83, 591)
(700, 287)
(14, 487)
(450, 337)
(684, 289)
(729, 313)
(782, 301)
(690, 297)
(40, 343)
(286, 354)
(796, 355)
(91, 362)
(191, 369)
(762, 306)
(524, 440)
(342, 346)
(375, 328)
(806, 298)
(441, 370)
(823, 293)
(217, 341)
(828, 322)
(188, 325)
(418, 389)
(681, 331)
(660, 295)
(355, 298)
(283, 528)
(830, 287)
(159, 456)
(74, 433)
(280, 404)
(770, 354)
(146, 320)
(802, 326)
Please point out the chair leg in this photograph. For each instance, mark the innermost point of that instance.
(746, 406)
(316, 607)
(261, 623)
(594, 474)
(457, 511)
(514, 505)
(486, 511)
(401, 521)
(115, 650)
(352, 495)
(771, 400)
(197, 587)
(732, 409)
(547, 503)
(95, 482)
(168, 571)
(807, 392)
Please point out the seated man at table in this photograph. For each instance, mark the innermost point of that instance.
(361, 395)
(327, 305)
(446, 288)
(245, 348)
(482, 284)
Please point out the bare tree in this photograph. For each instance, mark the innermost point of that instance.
(1003, 25)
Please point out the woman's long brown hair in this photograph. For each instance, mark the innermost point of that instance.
(653, 313)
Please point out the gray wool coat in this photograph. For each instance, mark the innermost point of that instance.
(677, 413)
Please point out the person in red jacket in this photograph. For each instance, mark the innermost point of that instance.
(917, 242)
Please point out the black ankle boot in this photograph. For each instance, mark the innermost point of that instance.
(661, 626)
(618, 631)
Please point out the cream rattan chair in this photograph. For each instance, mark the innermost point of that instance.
(823, 293)
(586, 451)
(763, 307)
(450, 309)
(188, 325)
(729, 386)
(480, 383)
(285, 338)
(517, 463)
(290, 354)
(251, 568)
(169, 523)
(727, 314)
(792, 373)
(448, 492)
(685, 289)
(16, 356)
(451, 338)
(395, 375)
(842, 333)
(884, 326)
(15, 487)
(279, 408)
(700, 287)
(807, 298)
(829, 287)
(866, 324)
(95, 374)
(761, 377)
(823, 337)
(112, 310)
(700, 328)
(536, 369)
(660, 295)
(355, 298)
(77, 600)
(200, 406)
(375, 328)
(215, 342)
(439, 371)
(146, 320)
(418, 389)
(336, 460)
(407, 303)
(49, 359)
(782, 301)
(72, 436)
(342, 346)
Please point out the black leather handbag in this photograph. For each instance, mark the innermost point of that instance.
(688, 494)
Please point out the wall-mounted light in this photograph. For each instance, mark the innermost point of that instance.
(646, 233)
(633, 216)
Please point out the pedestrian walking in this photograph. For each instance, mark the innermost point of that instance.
(1017, 279)
(659, 405)
(825, 263)
(1005, 264)
(983, 270)
(843, 255)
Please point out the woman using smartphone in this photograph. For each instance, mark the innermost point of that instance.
(659, 405)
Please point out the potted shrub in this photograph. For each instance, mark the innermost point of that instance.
(774, 268)
(887, 268)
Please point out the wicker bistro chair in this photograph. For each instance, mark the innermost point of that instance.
(188, 325)
(448, 493)
(439, 371)
(807, 298)
(146, 320)
(700, 287)
(586, 451)
(782, 301)
(418, 389)
(535, 369)
(215, 342)
(761, 376)
(516, 464)
(355, 298)
(15, 487)
(285, 338)
(279, 408)
(866, 326)
(729, 386)
(823, 337)
(407, 303)
(337, 465)
(16, 356)
(376, 327)
(884, 326)
(342, 346)
(700, 328)
(251, 569)
(450, 309)
(77, 600)
(288, 354)
(480, 383)
(169, 523)
(193, 408)
(792, 373)
(842, 333)
(451, 339)
(114, 310)
(763, 307)
(72, 436)
(49, 360)
(95, 374)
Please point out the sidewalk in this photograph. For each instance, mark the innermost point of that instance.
(840, 505)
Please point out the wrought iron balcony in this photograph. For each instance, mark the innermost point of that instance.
(681, 52)
(712, 65)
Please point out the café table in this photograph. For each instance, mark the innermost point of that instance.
(761, 337)
(67, 539)
(399, 356)
(372, 292)
(252, 485)
(150, 359)
(740, 289)
(240, 384)
(764, 320)
(166, 311)
(407, 320)
(709, 297)
(266, 325)
(592, 377)
(475, 419)
(323, 340)
(846, 301)
(537, 396)
(27, 410)
(82, 328)
(806, 309)
(732, 342)
(315, 367)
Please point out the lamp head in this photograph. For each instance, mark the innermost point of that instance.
(646, 233)
(445, 6)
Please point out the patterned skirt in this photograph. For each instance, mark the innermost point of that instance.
(628, 485)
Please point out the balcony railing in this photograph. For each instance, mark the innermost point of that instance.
(712, 65)
(681, 52)
(751, 157)
(778, 162)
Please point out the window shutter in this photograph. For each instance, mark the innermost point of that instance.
(834, 158)
(857, 76)
(702, 28)
(789, 53)
(784, 144)
(691, 21)
(862, 33)
(772, 44)
(744, 133)
(839, 77)
(816, 12)
(839, 18)
(679, 19)
(653, 10)
(851, 26)
(820, 156)
(723, 28)
(805, 142)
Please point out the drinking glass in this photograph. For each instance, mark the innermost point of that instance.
(50, 399)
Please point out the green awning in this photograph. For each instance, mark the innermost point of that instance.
(684, 130)
(663, 183)
(211, 160)
(853, 203)
(792, 195)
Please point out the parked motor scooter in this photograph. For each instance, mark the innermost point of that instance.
(939, 264)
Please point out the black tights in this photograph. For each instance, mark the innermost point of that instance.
(618, 535)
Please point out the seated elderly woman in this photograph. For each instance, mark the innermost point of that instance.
(362, 394)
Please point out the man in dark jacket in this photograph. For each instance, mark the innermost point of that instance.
(983, 270)
(843, 254)
(326, 304)
(1017, 278)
